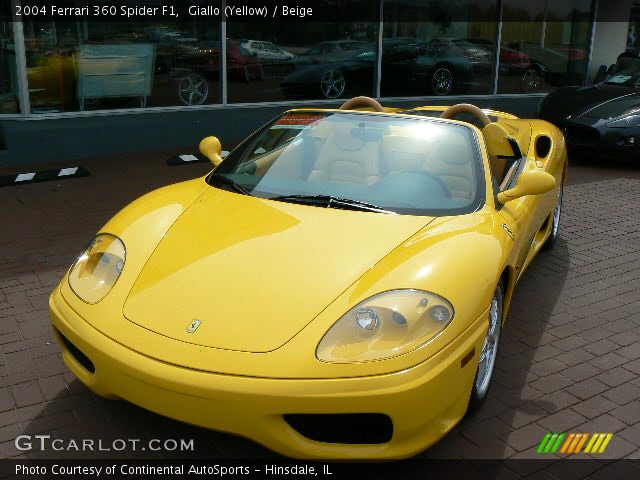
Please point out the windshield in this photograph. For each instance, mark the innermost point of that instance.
(415, 166)
(626, 72)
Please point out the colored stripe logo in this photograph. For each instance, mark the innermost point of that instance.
(573, 443)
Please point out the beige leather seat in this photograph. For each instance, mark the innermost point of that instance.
(452, 162)
(402, 154)
(345, 159)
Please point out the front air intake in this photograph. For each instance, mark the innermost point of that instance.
(75, 352)
(350, 428)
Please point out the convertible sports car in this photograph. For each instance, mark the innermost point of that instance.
(334, 288)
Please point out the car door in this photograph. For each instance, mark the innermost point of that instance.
(522, 217)
(517, 216)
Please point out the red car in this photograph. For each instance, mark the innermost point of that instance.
(241, 65)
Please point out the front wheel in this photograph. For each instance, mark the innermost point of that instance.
(489, 352)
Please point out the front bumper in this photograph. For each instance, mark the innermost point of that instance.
(594, 139)
(423, 402)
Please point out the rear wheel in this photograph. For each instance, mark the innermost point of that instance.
(555, 222)
(489, 352)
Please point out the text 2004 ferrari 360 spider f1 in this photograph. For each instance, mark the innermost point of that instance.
(335, 288)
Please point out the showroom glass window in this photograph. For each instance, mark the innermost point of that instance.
(8, 76)
(278, 61)
(445, 49)
(83, 65)
(544, 45)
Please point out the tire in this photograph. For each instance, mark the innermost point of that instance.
(442, 80)
(489, 353)
(555, 222)
(193, 89)
(332, 84)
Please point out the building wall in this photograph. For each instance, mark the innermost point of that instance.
(48, 140)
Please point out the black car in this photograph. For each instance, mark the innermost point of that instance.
(407, 67)
(602, 120)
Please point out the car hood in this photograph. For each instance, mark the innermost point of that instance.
(255, 272)
(596, 101)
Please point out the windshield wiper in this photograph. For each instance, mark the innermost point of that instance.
(227, 181)
(332, 202)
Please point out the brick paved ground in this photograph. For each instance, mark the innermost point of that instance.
(570, 355)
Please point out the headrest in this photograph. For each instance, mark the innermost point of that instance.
(402, 153)
(346, 141)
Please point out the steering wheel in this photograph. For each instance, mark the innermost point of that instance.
(466, 108)
(362, 102)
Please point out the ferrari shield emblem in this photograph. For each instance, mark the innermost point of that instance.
(193, 326)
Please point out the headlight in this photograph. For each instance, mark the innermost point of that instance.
(385, 325)
(97, 269)
(632, 120)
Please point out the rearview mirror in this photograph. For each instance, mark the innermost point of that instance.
(210, 147)
(532, 182)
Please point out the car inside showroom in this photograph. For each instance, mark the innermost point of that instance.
(473, 310)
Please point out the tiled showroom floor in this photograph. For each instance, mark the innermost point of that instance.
(569, 356)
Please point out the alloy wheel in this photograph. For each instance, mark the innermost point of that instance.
(193, 89)
(332, 84)
(490, 347)
(442, 81)
(555, 222)
(556, 214)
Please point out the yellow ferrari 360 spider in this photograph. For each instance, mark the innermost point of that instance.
(334, 288)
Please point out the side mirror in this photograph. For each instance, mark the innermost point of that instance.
(529, 183)
(210, 147)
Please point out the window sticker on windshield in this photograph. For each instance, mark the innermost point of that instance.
(619, 78)
(297, 122)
